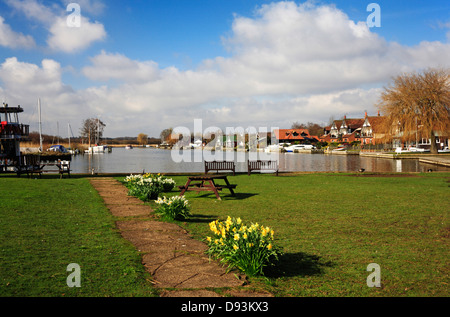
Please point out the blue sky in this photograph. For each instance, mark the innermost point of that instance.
(184, 32)
(228, 62)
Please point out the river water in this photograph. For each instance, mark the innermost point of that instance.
(151, 160)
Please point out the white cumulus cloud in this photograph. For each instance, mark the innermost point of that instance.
(289, 63)
(12, 39)
(107, 66)
(73, 39)
(62, 36)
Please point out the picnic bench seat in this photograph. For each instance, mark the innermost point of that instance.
(262, 166)
(220, 166)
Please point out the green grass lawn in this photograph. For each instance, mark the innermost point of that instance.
(330, 227)
(47, 224)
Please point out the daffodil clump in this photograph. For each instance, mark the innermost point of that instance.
(175, 207)
(148, 186)
(247, 248)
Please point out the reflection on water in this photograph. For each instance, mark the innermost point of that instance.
(152, 160)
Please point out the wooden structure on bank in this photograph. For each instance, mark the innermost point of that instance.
(12, 132)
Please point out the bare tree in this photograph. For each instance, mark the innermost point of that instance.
(418, 104)
(298, 125)
(92, 129)
(142, 138)
(165, 135)
(313, 128)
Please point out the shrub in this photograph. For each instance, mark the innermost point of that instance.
(247, 248)
(173, 208)
(167, 183)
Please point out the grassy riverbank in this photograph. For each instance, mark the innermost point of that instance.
(331, 226)
(47, 224)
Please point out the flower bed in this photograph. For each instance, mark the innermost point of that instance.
(247, 248)
(148, 186)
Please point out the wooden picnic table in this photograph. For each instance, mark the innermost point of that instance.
(207, 183)
(63, 167)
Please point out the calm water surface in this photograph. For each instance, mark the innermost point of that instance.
(152, 160)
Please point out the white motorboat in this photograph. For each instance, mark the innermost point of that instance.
(293, 148)
(96, 149)
(196, 145)
(411, 149)
(273, 148)
(417, 149)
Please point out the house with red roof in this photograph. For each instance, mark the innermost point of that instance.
(373, 130)
(300, 136)
(346, 130)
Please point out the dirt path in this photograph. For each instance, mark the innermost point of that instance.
(175, 260)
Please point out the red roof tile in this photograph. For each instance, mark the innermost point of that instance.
(291, 134)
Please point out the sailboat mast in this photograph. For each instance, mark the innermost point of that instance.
(40, 126)
(98, 131)
(68, 132)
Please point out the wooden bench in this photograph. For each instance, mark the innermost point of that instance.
(34, 165)
(262, 166)
(220, 166)
(30, 164)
